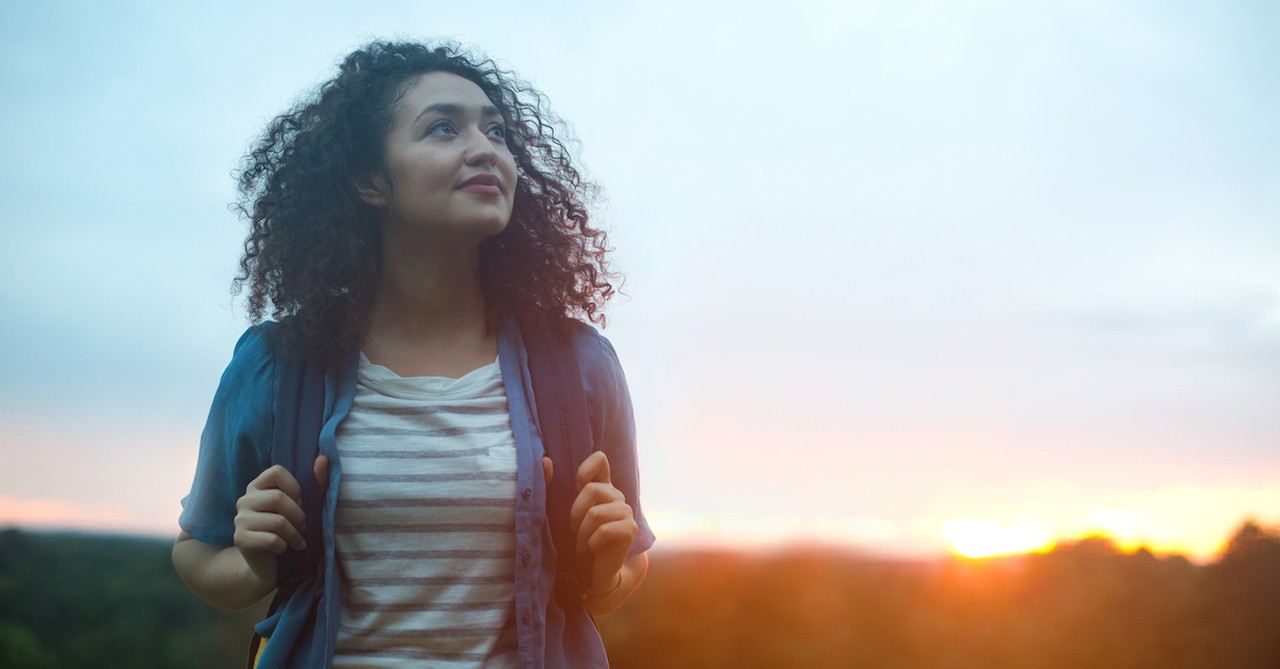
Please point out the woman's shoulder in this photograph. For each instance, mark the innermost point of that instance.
(596, 355)
(256, 346)
(596, 358)
(259, 339)
(602, 376)
(250, 374)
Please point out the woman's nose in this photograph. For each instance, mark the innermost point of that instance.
(480, 150)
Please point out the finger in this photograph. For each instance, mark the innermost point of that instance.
(590, 496)
(548, 469)
(274, 524)
(257, 505)
(291, 509)
(614, 535)
(274, 502)
(594, 468)
(321, 471)
(254, 541)
(276, 476)
(597, 516)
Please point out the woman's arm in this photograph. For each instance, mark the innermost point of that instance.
(268, 521)
(628, 579)
(218, 575)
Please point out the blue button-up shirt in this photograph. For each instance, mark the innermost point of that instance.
(236, 447)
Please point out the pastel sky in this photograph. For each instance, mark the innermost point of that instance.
(890, 265)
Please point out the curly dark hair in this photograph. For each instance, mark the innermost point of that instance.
(313, 253)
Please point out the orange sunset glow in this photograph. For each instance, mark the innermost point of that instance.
(1194, 521)
(1198, 537)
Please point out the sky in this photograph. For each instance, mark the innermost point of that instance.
(905, 276)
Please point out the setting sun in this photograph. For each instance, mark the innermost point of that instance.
(985, 538)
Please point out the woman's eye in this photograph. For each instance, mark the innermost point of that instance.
(499, 131)
(441, 128)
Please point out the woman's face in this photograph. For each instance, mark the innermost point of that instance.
(448, 169)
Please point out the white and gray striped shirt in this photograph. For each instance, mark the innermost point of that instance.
(426, 522)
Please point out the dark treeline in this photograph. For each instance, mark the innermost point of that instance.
(87, 601)
(72, 601)
(1084, 605)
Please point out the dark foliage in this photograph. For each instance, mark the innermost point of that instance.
(71, 601)
(1084, 605)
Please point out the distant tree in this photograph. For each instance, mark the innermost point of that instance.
(1252, 541)
(1240, 599)
(93, 601)
(19, 649)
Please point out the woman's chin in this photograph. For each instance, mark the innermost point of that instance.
(474, 228)
(489, 228)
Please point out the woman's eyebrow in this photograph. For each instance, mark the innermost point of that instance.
(453, 109)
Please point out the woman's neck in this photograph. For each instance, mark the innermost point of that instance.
(414, 299)
(429, 315)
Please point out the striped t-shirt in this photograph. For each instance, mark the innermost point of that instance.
(426, 522)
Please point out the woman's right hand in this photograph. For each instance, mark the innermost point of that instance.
(269, 518)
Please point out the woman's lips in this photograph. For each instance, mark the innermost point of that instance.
(484, 184)
(483, 189)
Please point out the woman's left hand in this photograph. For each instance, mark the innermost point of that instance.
(603, 521)
(606, 526)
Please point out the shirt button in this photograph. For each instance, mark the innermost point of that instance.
(524, 559)
(526, 618)
(527, 494)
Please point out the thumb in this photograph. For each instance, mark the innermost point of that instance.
(548, 469)
(321, 471)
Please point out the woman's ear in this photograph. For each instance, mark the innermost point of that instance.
(373, 189)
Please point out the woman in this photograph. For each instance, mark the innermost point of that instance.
(400, 219)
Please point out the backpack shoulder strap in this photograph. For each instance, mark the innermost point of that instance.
(295, 443)
(566, 432)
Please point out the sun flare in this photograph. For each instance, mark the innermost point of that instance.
(974, 538)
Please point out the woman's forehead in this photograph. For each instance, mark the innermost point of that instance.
(443, 90)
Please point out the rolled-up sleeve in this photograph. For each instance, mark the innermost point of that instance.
(235, 446)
